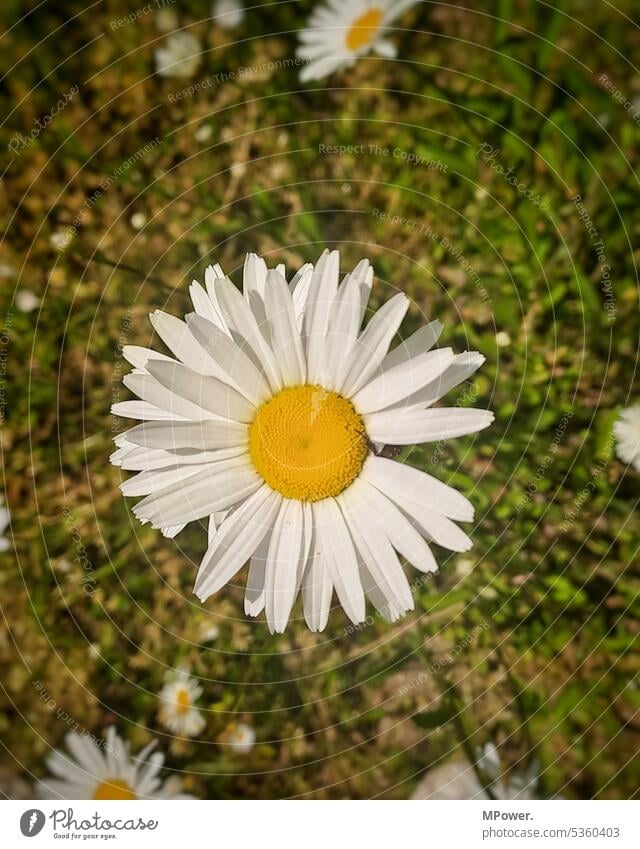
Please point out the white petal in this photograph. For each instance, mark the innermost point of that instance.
(236, 540)
(401, 381)
(283, 560)
(144, 411)
(401, 533)
(231, 359)
(206, 392)
(462, 367)
(324, 286)
(156, 480)
(246, 332)
(400, 482)
(317, 589)
(139, 459)
(299, 286)
(138, 356)
(255, 589)
(418, 343)
(205, 436)
(203, 305)
(334, 544)
(346, 318)
(218, 487)
(373, 344)
(374, 547)
(393, 428)
(172, 531)
(317, 70)
(254, 276)
(147, 387)
(385, 48)
(285, 338)
(176, 336)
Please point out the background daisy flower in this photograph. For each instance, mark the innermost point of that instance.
(227, 14)
(177, 710)
(180, 56)
(627, 433)
(340, 32)
(91, 773)
(266, 422)
(240, 737)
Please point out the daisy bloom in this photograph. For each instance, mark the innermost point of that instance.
(180, 57)
(228, 14)
(240, 737)
(458, 780)
(88, 772)
(343, 30)
(268, 420)
(627, 433)
(177, 710)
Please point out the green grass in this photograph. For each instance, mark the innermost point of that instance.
(553, 674)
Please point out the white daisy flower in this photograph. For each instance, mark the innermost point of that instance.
(267, 422)
(26, 301)
(180, 57)
(240, 737)
(177, 710)
(342, 31)
(228, 14)
(458, 780)
(627, 433)
(92, 773)
(60, 239)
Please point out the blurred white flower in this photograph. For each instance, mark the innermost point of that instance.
(627, 433)
(26, 301)
(227, 14)
(177, 710)
(60, 240)
(458, 780)
(180, 57)
(138, 220)
(210, 633)
(203, 133)
(5, 521)
(503, 339)
(464, 567)
(339, 33)
(240, 737)
(112, 773)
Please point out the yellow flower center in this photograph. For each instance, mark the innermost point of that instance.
(364, 29)
(114, 788)
(183, 702)
(307, 443)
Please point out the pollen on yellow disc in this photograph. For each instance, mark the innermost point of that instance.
(183, 702)
(364, 29)
(307, 443)
(114, 788)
